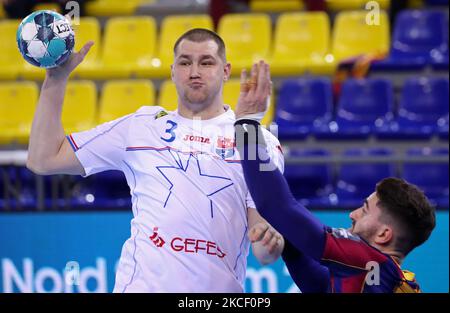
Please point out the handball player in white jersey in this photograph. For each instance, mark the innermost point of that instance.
(193, 219)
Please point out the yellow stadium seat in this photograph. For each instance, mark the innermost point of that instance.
(172, 28)
(80, 106)
(113, 7)
(231, 92)
(123, 97)
(2, 11)
(416, 4)
(302, 44)
(368, 39)
(168, 98)
(88, 29)
(11, 61)
(247, 38)
(275, 5)
(17, 104)
(337, 5)
(128, 44)
(47, 6)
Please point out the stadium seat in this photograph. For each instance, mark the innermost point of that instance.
(168, 98)
(17, 105)
(2, 11)
(231, 92)
(88, 29)
(120, 98)
(437, 2)
(80, 106)
(303, 104)
(11, 61)
(443, 127)
(128, 44)
(337, 5)
(105, 190)
(365, 105)
(47, 6)
(271, 6)
(370, 38)
(432, 178)
(172, 28)
(247, 38)
(311, 184)
(356, 181)
(422, 111)
(420, 38)
(113, 7)
(302, 45)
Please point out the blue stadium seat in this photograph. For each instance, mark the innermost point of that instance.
(443, 127)
(106, 190)
(436, 2)
(356, 181)
(2, 188)
(422, 111)
(311, 184)
(302, 105)
(364, 106)
(420, 37)
(432, 178)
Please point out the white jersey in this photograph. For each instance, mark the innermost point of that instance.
(189, 199)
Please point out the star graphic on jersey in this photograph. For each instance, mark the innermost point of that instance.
(188, 170)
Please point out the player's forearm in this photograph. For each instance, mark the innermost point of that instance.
(277, 205)
(308, 274)
(47, 133)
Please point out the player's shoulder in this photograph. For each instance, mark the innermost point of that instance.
(270, 138)
(342, 233)
(153, 111)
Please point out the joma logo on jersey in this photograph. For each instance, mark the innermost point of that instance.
(225, 147)
(196, 138)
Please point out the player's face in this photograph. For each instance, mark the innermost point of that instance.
(198, 73)
(365, 220)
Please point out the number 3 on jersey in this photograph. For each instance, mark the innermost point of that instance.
(171, 126)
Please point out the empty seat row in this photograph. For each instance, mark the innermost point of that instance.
(301, 108)
(365, 107)
(302, 43)
(326, 185)
(82, 110)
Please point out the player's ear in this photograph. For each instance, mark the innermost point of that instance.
(226, 72)
(384, 235)
(171, 71)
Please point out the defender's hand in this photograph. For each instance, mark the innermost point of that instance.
(267, 235)
(255, 92)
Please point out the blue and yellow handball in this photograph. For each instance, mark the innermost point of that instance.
(45, 38)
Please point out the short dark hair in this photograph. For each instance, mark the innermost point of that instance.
(201, 35)
(408, 206)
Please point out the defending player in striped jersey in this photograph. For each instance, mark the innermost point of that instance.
(392, 221)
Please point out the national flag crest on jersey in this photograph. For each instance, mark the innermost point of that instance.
(225, 147)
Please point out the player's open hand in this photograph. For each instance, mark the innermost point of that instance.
(267, 236)
(255, 92)
(64, 70)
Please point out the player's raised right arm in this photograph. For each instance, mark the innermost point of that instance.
(48, 151)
